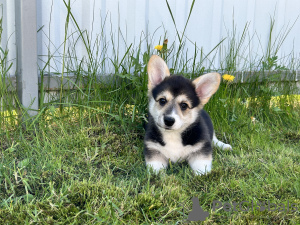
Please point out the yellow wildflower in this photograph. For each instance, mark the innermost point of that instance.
(228, 77)
(158, 47)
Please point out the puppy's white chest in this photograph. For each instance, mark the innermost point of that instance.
(174, 149)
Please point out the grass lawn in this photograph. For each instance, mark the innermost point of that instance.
(81, 166)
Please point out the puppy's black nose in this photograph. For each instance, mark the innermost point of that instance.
(169, 121)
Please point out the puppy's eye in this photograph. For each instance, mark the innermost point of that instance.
(162, 101)
(183, 106)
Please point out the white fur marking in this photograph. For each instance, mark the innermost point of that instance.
(178, 122)
(156, 165)
(174, 150)
(201, 166)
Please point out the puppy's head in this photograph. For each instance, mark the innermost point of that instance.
(174, 101)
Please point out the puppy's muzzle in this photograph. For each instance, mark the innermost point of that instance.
(169, 121)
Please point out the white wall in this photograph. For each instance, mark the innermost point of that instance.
(8, 38)
(210, 22)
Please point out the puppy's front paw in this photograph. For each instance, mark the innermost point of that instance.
(156, 166)
(201, 167)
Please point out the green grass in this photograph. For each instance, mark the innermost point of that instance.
(80, 160)
(77, 170)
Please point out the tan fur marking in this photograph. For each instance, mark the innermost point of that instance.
(185, 99)
(157, 157)
(165, 94)
(201, 157)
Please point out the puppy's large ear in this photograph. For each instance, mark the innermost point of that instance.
(157, 71)
(206, 85)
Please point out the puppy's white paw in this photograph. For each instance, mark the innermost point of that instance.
(201, 166)
(156, 166)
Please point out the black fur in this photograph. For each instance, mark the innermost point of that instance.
(205, 150)
(208, 123)
(177, 85)
(152, 132)
(200, 130)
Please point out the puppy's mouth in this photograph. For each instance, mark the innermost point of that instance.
(164, 127)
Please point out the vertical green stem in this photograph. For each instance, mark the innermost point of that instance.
(63, 61)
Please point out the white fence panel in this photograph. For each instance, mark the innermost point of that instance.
(8, 37)
(128, 21)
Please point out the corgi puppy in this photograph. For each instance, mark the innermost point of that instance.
(178, 128)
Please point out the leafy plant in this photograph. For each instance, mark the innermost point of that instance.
(271, 64)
